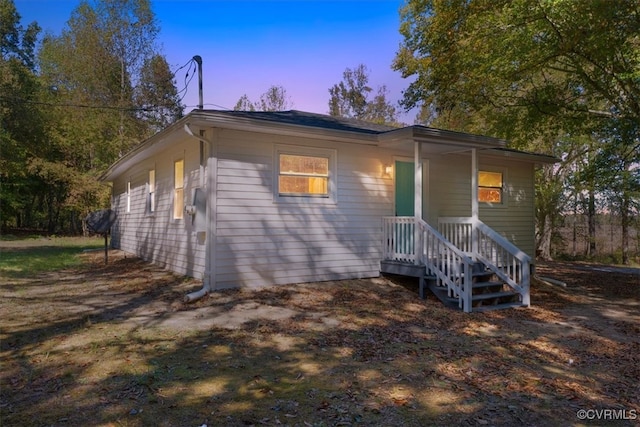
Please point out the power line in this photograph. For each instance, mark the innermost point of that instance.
(191, 72)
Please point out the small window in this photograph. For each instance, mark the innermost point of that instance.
(128, 196)
(178, 189)
(152, 190)
(303, 175)
(490, 187)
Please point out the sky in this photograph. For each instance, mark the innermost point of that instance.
(248, 46)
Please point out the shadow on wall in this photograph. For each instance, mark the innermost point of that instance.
(276, 242)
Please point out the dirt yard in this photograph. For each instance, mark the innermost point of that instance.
(115, 346)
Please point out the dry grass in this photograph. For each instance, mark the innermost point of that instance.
(115, 346)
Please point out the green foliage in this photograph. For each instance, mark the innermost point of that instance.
(244, 104)
(572, 60)
(274, 99)
(539, 73)
(157, 96)
(350, 98)
(69, 110)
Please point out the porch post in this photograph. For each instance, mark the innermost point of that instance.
(417, 200)
(475, 210)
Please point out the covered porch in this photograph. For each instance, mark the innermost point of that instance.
(462, 260)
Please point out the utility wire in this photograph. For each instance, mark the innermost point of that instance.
(191, 71)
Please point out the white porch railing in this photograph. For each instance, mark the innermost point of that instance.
(484, 244)
(410, 239)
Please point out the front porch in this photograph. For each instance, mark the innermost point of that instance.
(465, 263)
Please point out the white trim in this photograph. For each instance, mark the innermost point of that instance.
(175, 188)
(128, 196)
(151, 191)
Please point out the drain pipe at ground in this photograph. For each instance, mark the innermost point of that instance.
(208, 238)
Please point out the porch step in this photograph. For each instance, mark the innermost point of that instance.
(488, 292)
(490, 295)
(485, 285)
(442, 293)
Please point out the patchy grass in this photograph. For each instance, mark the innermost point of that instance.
(115, 346)
(24, 257)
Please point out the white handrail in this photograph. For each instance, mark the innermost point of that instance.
(442, 259)
(483, 243)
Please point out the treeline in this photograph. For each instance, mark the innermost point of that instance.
(71, 104)
(574, 241)
(562, 78)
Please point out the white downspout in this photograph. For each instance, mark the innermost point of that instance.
(209, 240)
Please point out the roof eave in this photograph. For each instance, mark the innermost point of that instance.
(213, 119)
(439, 136)
(159, 140)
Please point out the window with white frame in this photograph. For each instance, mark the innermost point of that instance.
(490, 187)
(152, 191)
(128, 196)
(305, 173)
(178, 189)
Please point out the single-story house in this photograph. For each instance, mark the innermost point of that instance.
(247, 199)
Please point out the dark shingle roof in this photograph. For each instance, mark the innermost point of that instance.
(302, 118)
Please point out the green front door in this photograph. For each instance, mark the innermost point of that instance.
(405, 188)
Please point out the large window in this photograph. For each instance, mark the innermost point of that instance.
(178, 189)
(490, 187)
(303, 175)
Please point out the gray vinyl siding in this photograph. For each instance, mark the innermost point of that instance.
(157, 237)
(449, 187)
(261, 240)
(450, 196)
(515, 220)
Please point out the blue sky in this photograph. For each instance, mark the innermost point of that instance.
(248, 46)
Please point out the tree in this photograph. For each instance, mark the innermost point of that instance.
(95, 63)
(618, 172)
(70, 111)
(22, 124)
(244, 104)
(157, 96)
(274, 99)
(350, 98)
(528, 71)
(576, 61)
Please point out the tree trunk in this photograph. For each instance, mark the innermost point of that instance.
(591, 250)
(625, 220)
(544, 241)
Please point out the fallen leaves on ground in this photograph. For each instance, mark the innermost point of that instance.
(356, 352)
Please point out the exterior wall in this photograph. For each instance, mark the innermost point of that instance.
(515, 218)
(262, 240)
(450, 195)
(450, 187)
(157, 237)
(259, 239)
